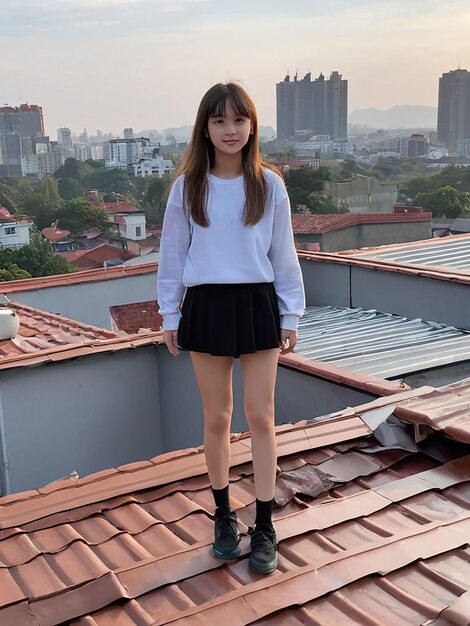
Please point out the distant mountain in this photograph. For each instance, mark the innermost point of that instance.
(400, 116)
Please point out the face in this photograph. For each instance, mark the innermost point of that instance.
(229, 133)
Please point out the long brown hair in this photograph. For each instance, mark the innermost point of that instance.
(199, 156)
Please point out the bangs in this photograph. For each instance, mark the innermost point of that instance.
(240, 105)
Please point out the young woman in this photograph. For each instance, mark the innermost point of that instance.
(228, 248)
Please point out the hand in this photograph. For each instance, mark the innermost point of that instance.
(288, 340)
(170, 338)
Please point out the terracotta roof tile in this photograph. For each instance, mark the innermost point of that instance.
(118, 207)
(324, 223)
(74, 278)
(381, 539)
(133, 317)
(55, 234)
(447, 409)
(40, 330)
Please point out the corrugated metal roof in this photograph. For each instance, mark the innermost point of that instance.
(379, 344)
(448, 252)
(367, 535)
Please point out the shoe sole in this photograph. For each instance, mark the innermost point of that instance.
(260, 569)
(227, 556)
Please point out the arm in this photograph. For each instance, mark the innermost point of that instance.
(288, 281)
(174, 247)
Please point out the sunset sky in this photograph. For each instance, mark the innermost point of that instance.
(108, 64)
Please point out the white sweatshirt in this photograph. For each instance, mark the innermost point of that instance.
(227, 251)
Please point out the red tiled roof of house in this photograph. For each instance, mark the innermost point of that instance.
(74, 278)
(136, 316)
(367, 535)
(54, 234)
(95, 257)
(41, 331)
(118, 207)
(324, 223)
(5, 215)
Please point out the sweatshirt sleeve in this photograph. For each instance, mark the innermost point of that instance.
(288, 281)
(174, 246)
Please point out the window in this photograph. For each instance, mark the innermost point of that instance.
(137, 231)
(10, 230)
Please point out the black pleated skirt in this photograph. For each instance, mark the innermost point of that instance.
(230, 319)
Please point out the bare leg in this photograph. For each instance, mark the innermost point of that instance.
(259, 378)
(214, 378)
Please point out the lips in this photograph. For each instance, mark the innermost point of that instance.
(230, 142)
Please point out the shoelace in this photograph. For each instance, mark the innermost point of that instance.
(227, 528)
(262, 539)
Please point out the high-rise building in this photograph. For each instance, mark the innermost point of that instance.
(18, 125)
(64, 138)
(128, 133)
(453, 115)
(319, 106)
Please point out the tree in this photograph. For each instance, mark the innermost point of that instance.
(318, 203)
(73, 169)
(37, 258)
(13, 272)
(302, 181)
(155, 198)
(69, 189)
(444, 202)
(51, 191)
(78, 215)
(42, 210)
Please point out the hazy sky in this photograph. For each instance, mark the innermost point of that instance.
(108, 64)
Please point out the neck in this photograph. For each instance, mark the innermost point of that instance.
(227, 165)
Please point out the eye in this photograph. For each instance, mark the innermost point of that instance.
(240, 120)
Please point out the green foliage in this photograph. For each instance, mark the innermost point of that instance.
(303, 181)
(13, 272)
(155, 198)
(51, 191)
(9, 197)
(73, 169)
(36, 259)
(69, 189)
(77, 215)
(444, 201)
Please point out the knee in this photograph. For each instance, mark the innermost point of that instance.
(217, 422)
(260, 418)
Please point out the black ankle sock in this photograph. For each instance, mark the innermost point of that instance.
(222, 501)
(264, 514)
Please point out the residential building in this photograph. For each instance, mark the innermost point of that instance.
(372, 529)
(359, 230)
(322, 147)
(130, 222)
(43, 163)
(13, 234)
(123, 153)
(453, 117)
(26, 119)
(157, 166)
(372, 499)
(17, 124)
(320, 106)
(64, 141)
(128, 133)
(364, 194)
(463, 148)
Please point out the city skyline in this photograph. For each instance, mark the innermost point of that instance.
(111, 64)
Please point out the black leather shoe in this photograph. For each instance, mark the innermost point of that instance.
(226, 537)
(263, 558)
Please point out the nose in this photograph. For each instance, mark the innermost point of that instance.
(230, 129)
